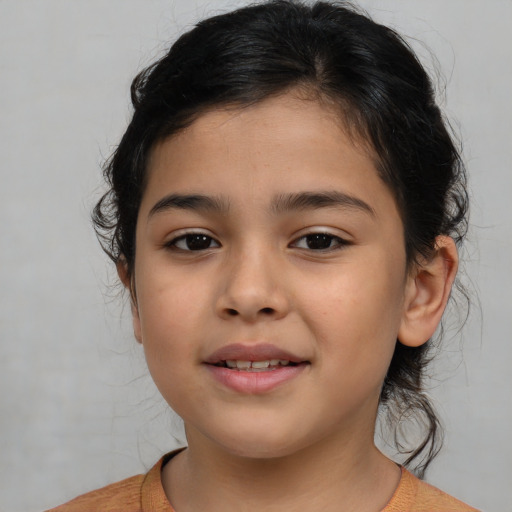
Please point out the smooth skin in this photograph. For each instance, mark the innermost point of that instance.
(263, 260)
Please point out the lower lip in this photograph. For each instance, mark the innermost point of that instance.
(254, 383)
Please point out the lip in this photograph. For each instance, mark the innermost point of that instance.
(252, 383)
(259, 352)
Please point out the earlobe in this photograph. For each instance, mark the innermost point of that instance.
(129, 283)
(427, 292)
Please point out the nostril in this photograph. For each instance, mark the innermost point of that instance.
(264, 312)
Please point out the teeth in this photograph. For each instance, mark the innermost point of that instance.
(261, 364)
(257, 365)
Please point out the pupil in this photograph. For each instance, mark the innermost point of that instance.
(198, 242)
(319, 241)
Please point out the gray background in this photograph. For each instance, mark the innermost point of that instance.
(77, 409)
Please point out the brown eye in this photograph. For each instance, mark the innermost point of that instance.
(319, 242)
(194, 242)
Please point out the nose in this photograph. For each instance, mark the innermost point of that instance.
(252, 288)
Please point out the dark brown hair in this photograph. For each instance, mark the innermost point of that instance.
(339, 55)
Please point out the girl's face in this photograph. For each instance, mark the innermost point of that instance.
(270, 276)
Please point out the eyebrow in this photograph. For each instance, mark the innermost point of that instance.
(196, 202)
(281, 203)
(324, 199)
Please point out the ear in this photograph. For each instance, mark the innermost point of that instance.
(129, 283)
(427, 291)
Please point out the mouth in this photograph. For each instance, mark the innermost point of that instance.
(254, 369)
(255, 366)
(258, 357)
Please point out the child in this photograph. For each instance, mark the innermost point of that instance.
(284, 211)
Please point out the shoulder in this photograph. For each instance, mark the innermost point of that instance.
(141, 493)
(124, 495)
(414, 495)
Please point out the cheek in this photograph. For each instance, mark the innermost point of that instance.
(357, 312)
(167, 300)
(171, 326)
(170, 318)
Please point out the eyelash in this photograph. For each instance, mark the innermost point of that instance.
(339, 243)
(309, 239)
(187, 238)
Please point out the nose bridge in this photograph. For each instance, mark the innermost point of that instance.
(252, 286)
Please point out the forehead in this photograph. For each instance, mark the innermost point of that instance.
(281, 145)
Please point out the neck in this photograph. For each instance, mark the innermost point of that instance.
(327, 476)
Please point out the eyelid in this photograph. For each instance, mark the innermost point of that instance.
(343, 240)
(324, 230)
(181, 234)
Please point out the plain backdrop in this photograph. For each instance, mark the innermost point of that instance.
(77, 409)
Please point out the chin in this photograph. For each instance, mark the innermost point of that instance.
(262, 443)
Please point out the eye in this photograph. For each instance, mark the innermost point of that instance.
(319, 242)
(193, 242)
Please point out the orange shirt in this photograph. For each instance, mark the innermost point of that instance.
(144, 493)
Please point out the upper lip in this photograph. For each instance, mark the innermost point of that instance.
(258, 352)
